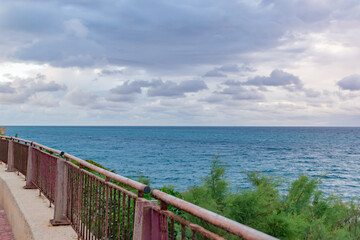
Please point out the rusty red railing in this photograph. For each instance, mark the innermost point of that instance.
(20, 156)
(3, 150)
(44, 167)
(100, 204)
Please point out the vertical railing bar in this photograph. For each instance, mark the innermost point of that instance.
(85, 203)
(109, 212)
(96, 218)
(107, 208)
(114, 216)
(76, 193)
(112, 212)
(172, 236)
(128, 217)
(193, 237)
(133, 216)
(93, 203)
(49, 184)
(92, 207)
(71, 187)
(81, 200)
(118, 215)
(183, 232)
(103, 211)
(123, 216)
(89, 207)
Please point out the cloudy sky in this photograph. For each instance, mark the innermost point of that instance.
(198, 62)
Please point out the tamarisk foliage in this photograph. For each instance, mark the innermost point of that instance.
(304, 212)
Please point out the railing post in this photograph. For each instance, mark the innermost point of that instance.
(30, 170)
(10, 163)
(60, 194)
(148, 224)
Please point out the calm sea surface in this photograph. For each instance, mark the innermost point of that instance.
(180, 156)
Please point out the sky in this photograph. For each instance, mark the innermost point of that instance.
(187, 63)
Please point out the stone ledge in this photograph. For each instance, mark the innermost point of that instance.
(27, 213)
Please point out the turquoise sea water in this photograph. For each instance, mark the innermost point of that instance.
(180, 156)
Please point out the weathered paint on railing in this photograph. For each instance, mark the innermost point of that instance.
(217, 220)
(103, 206)
(20, 157)
(4, 150)
(44, 168)
(98, 208)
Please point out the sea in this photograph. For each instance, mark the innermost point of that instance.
(182, 156)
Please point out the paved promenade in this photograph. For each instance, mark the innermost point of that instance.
(5, 230)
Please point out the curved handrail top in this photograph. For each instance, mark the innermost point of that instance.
(211, 217)
(124, 180)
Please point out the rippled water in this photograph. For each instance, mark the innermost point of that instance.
(181, 155)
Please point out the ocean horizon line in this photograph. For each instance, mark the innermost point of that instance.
(220, 126)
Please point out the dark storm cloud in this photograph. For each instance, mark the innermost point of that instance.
(154, 34)
(351, 83)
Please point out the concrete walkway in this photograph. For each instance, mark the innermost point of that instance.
(28, 214)
(5, 230)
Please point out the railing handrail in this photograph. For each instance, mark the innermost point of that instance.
(124, 180)
(215, 219)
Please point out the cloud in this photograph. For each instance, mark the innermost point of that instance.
(277, 78)
(311, 93)
(132, 87)
(17, 97)
(214, 73)
(229, 68)
(44, 101)
(128, 90)
(20, 90)
(235, 68)
(74, 27)
(241, 93)
(351, 83)
(52, 86)
(85, 99)
(6, 88)
(172, 89)
(62, 51)
(107, 72)
(156, 34)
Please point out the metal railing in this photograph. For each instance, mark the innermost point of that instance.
(100, 204)
(3, 150)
